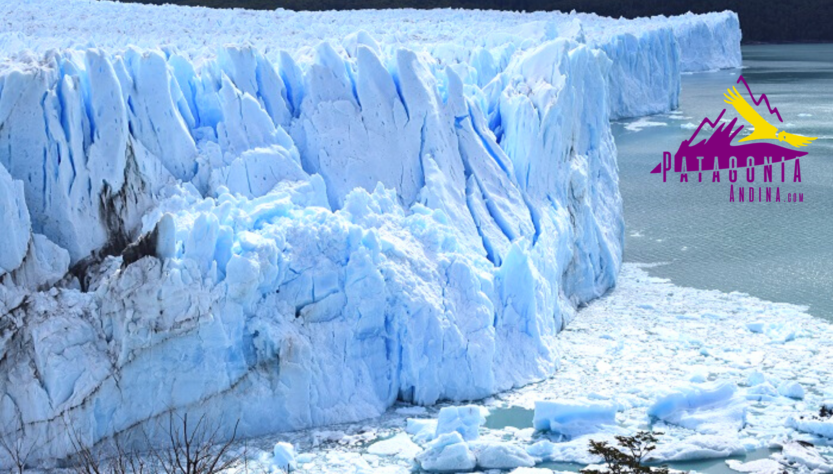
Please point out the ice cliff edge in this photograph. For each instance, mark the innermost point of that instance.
(301, 238)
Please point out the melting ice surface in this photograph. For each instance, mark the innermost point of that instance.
(308, 228)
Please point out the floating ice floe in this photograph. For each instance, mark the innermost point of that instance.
(572, 451)
(422, 429)
(704, 407)
(779, 332)
(501, 455)
(283, 457)
(813, 425)
(573, 418)
(759, 466)
(791, 389)
(448, 452)
(531, 470)
(465, 420)
(804, 455)
(400, 445)
(698, 446)
(643, 123)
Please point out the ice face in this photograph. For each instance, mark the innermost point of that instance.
(15, 218)
(302, 237)
(28, 261)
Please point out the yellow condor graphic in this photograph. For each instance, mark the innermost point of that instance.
(763, 129)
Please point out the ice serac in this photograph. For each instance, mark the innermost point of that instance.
(293, 239)
(708, 42)
(28, 262)
(635, 86)
(15, 218)
(649, 56)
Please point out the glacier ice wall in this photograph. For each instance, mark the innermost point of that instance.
(297, 238)
(486, 40)
(710, 44)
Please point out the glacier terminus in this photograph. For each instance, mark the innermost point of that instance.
(294, 219)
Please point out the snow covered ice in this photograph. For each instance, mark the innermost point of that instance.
(274, 217)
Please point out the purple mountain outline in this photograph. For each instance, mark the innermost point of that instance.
(763, 97)
(717, 152)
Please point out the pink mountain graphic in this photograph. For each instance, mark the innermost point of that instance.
(717, 152)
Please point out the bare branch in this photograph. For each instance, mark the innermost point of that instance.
(18, 450)
(195, 448)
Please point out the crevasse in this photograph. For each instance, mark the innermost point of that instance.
(302, 237)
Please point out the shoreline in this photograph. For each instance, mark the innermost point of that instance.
(759, 43)
(805, 308)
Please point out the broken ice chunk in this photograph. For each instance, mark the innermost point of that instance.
(573, 417)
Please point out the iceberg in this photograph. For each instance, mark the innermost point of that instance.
(283, 457)
(707, 407)
(698, 446)
(759, 466)
(399, 445)
(305, 231)
(448, 453)
(575, 450)
(465, 420)
(791, 389)
(423, 429)
(501, 455)
(574, 418)
(803, 455)
(822, 427)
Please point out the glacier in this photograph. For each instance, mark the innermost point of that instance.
(273, 218)
(681, 361)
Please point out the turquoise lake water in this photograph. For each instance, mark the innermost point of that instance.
(775, 251)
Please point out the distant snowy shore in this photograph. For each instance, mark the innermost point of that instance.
(276, 219)
(721, 375)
